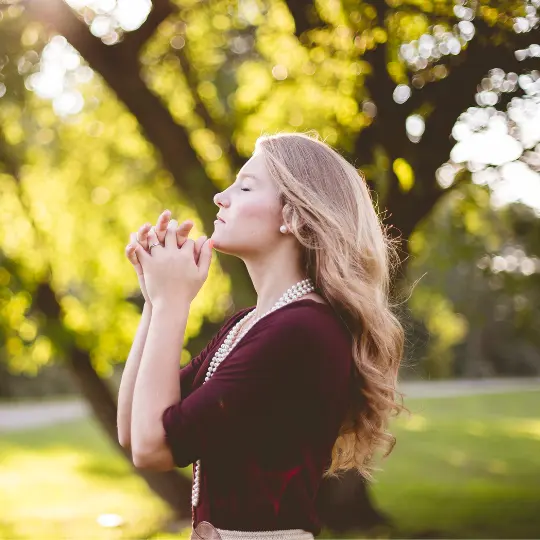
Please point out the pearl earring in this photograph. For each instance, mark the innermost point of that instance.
(283, 229)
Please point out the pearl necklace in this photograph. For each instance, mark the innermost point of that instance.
(233, 337)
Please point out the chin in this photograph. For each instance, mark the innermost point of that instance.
(218, 244)
(222, 247)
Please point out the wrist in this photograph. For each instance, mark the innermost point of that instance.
(171, 307)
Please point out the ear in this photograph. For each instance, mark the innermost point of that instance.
(292, 218)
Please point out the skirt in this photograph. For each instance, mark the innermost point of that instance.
(206, 531)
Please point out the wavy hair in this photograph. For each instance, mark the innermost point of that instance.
(350, 257)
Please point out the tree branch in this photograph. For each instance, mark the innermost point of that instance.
(133, 41)
(449, 97)
(119, 67)
(304, 14)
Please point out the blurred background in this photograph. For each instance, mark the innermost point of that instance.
(114, 110)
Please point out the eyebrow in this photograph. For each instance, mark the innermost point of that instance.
(241, 174)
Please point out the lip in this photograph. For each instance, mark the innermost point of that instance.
(219, 219)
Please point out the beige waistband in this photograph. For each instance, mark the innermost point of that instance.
(284, 534)
(206, 531)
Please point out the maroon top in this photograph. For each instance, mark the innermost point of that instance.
(265, 423)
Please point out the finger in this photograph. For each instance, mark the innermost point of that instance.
(131, 254)
(142, 256)
(152, 239)
(143, 235)
(189, 245)
(182, 233)
(162, 224)
(205, 258)
(170, 236)
(198, 245)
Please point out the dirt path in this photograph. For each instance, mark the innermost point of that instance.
(26, 415)
(20, 416)
(464, 387)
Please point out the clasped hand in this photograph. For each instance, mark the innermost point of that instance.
(176, 269)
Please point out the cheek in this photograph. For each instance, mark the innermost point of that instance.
(259, 210)
(259, 217)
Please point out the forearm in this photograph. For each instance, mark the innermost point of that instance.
(129, 376)
(158, 384)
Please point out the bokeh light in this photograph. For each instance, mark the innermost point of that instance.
(110, 19)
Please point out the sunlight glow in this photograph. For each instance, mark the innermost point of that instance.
(60, 73)
(500, 149)
(416, 422)
(110, 520)
(109, 19)
(506, 161)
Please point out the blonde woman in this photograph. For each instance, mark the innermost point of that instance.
(291, 390)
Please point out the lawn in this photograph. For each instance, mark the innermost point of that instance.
(57, 481)
(466, 467)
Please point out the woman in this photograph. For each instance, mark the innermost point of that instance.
(294, 389)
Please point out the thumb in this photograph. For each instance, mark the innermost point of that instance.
(205, 257)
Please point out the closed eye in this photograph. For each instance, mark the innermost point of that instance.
(245, 189)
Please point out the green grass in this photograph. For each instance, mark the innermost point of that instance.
(466, 467)
(56, 481)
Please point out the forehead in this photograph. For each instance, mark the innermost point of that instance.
(255, 168)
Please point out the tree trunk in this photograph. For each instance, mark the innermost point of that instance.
(171, 486)
(344, 504)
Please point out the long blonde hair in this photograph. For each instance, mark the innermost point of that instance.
(349, 256)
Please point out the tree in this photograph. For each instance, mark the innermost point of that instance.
(188, 75)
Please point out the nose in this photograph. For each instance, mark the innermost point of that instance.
(217, 199)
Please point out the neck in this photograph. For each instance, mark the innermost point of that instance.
(271, 277)
(271, 288)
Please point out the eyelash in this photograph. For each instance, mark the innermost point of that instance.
(245, 189)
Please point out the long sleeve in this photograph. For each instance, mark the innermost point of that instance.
(279, 353)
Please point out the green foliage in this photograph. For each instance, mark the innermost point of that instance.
(446, 329)
(404, 173)
(459, 296)
(70, 195)
(279, 83)
(72, 189)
